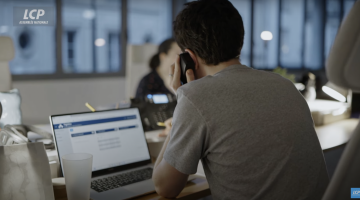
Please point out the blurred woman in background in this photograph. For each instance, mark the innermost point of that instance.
(157, 81)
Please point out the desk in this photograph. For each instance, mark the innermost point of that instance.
(330, 135)
(194, 189)
(335, 134)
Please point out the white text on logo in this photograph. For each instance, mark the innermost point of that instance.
(40, 13)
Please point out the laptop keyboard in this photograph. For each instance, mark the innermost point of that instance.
(108, 183)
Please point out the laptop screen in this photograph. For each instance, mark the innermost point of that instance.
(114, 138)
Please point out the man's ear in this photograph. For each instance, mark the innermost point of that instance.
(193, 56)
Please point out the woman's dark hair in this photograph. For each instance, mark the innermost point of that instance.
(164, 47)
(213, 29)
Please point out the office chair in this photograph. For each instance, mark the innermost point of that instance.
(25, 172)
(6, 55)
(343, 69)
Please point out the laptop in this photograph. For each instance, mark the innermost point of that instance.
(122, 166)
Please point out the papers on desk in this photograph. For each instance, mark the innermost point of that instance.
(325, 111)
(153, 136)
(25, 172)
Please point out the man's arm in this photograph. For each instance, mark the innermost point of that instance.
(169, 182)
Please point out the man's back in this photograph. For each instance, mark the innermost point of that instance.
(254, 134)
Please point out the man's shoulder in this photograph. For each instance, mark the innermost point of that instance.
(204, 89)
(209, 82)
(275, 76)
(195, 88)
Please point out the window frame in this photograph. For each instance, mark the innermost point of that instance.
(177, 6)
(59, 72)
(301, 69)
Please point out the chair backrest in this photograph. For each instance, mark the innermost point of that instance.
(343, 69)
(7, 53)
(25, 172)
(137, 65)
(343, 63)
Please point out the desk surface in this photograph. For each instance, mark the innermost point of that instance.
(335, 134)
(330, 135)
(194, 189)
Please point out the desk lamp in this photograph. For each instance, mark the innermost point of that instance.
(336, 92)
(328, 111)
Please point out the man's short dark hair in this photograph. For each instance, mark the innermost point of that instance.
(213, 29)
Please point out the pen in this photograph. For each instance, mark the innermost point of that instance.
(90, 107)
(161, 124)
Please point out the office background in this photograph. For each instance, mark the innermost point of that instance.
(82, 59)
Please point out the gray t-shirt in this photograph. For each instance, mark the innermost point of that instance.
(254, 134)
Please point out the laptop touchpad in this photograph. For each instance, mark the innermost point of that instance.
(114, 194)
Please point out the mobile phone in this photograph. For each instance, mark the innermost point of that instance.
(186, 62)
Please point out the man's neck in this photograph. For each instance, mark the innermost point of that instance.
(213, 69)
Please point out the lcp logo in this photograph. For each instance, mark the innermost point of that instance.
(355, 193)
(40, 12)
(34, 16)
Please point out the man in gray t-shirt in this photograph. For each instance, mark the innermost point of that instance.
(251, 129)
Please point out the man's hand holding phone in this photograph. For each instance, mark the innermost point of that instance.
(175, 75)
